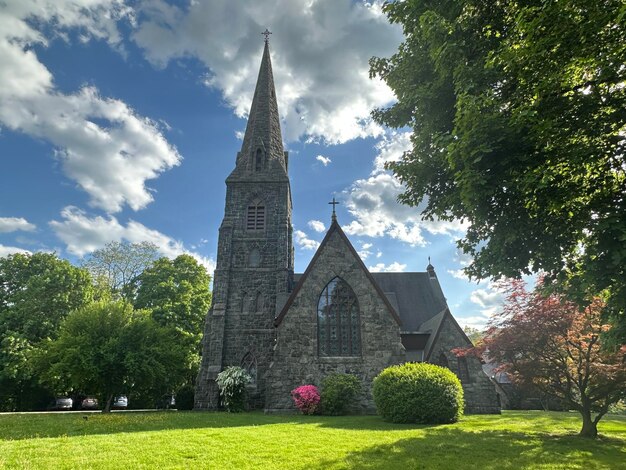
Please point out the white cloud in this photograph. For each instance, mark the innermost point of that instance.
(382, 268)
(101, 143)
(83, 234)
(391, 148)
(14, 224)
(303, 241)
(489, 299)
(324, 160)
(373, 203)
(365, 252)
(9, 250)
(324, 91)
(317, 225)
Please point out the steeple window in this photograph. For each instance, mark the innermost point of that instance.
(338, 321)
(255, 218)
(259, 160)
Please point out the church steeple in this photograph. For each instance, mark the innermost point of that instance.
(262, 151)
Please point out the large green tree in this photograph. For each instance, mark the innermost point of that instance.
(177, 293)
(36, 293)
(116, 266)
(108, 348)
(518, 112)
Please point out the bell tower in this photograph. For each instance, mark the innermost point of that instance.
(255, 252)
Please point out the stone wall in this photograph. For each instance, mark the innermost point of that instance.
(480, 392)
(296, 361)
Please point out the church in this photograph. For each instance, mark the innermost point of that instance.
(288, 329)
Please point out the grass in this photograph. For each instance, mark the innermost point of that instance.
(514, 440)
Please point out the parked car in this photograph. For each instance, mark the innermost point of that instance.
(120, 403)
(167, 402)
(89, 403)
(62, 404)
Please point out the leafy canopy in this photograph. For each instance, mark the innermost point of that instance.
(552, 344)
(518, 113)
(36, 293)
(117, 266)
(109, 348)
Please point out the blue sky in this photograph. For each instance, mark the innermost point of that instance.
(120, 120)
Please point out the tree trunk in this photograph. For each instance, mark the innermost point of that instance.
(590, 427)
(107, 405)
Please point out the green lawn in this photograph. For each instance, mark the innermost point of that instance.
(222, 441)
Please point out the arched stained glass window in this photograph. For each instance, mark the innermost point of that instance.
(338, 321)
(248, 363)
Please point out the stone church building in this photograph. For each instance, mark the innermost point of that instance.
(291, 329)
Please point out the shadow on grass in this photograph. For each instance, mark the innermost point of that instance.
(449, 448)
(50, 425)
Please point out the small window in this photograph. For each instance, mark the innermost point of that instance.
(254, 258)
(255, 218)
(463, 370)
(259, 160)
(248, 363)
(443, 361)
(244, 299)
(258, 302)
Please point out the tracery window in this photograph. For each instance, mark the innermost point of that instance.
(338, 320)
(248, 363)
(255, 219)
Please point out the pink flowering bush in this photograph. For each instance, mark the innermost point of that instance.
(306, 398)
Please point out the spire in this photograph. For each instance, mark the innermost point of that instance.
(262, 149)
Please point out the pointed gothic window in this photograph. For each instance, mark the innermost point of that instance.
(254, 258)
(258, 160)
(463, 370)
(258, 302)
(443, 361)
(338, 320)
(255, 217)
(248, 363)
(244, 299)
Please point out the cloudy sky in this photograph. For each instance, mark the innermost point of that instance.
(120, 120)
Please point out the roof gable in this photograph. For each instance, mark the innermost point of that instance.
(335, 229)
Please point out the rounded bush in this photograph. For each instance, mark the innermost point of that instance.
(339, 391)
(306, 398)
(232, 383)
(418, 393)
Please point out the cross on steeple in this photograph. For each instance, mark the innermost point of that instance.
(334, 203)
(266, 33)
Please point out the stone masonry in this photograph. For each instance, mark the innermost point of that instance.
(296, 360)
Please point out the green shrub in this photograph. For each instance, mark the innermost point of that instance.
(418, 393)
(184, 397)
(338, 392)
(232, 383)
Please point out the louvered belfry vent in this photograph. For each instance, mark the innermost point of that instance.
(256, 216)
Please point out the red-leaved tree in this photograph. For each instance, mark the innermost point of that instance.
(553, 344)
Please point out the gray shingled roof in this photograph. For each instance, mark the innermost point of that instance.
(410, 294)
(417, 301)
